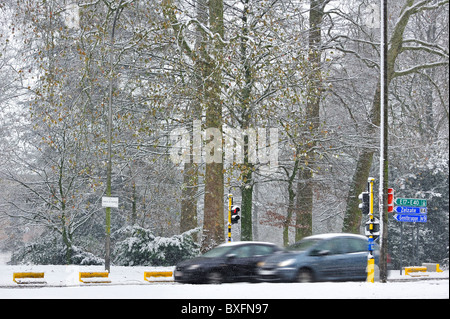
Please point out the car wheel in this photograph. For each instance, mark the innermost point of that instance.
(305, 275)
(215, 278)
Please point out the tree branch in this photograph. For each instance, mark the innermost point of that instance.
(418, 68)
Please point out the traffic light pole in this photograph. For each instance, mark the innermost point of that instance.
(230, 203)
(370, 257)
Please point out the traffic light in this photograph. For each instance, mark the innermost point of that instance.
(390, 200)
(235, 214)
(373, 228)
(364, 197)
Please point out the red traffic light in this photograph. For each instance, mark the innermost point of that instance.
(234, 214)
(390, 200)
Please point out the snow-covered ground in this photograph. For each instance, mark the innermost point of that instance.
(4, 257)
(128, 282)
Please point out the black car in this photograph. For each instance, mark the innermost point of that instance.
(237, 261)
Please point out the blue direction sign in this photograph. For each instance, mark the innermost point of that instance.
(410, 210)
(411, 218)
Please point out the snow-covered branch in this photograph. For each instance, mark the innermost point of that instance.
(425, 46)
(418, 68)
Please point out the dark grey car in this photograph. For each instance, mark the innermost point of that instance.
(229, 262)
(326, 257)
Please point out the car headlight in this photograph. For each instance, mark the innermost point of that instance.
(193, 267)
(286, 262)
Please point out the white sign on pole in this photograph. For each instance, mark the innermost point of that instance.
(110, 202)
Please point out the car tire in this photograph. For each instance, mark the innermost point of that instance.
(305, 275)
(215, 278)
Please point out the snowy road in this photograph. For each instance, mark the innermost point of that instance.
(128, 282)
(429, 289)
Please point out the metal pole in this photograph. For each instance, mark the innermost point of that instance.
(109, 166)
(417, 244)
(383, 144)
(401, 247)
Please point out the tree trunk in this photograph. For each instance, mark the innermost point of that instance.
(247, 167)
(291, 201)
(190, 174)
(247, 197)
(352, 218)
(304, 202)
(188, 218)
(213, 225)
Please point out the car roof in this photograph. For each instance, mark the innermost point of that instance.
(334, 235)
(237, 243)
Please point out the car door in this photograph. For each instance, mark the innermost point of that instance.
(328, 260)
(240, 263)
(245, 260)
(355, 260)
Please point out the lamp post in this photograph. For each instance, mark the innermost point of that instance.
(383, 187)
(109, 164)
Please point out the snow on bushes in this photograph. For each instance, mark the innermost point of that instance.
(138, 246)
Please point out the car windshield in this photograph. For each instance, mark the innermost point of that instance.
(217, 252)
(303, 244)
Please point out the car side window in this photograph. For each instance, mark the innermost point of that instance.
(354, 245)
(262, 250)
(242, 252)
(331, 246)
(339, 246)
